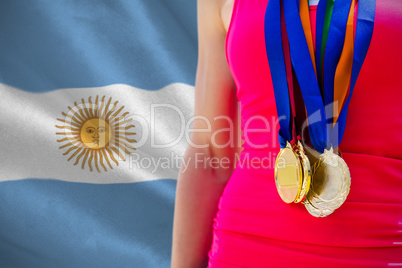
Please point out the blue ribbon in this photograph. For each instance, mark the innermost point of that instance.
(278, 70)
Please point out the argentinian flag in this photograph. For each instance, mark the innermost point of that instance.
(95, 101)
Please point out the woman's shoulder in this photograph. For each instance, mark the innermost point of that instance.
(218, 11)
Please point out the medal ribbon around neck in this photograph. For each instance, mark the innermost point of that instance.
(336, 56)
(289, 77)
(344, 68)
(277, 66)
(343, 71)
(333, 48)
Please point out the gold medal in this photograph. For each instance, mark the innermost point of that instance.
(330, 184)
(306, 170)
(288, 174)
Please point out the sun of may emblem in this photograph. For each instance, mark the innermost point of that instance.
(96, 133)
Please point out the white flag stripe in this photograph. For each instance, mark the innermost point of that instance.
(29, 147)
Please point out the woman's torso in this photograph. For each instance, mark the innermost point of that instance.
(372, 214)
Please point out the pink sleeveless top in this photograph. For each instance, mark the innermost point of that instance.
(367, 230)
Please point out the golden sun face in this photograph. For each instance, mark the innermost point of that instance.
(96, 133)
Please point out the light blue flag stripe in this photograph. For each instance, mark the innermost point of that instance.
(49, 223)
(48, 45)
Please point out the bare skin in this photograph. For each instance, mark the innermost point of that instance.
(200, 187)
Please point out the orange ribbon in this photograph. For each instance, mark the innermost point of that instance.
(305, 20)
(343, 71)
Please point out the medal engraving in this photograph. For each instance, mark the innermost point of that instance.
(330, 184)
